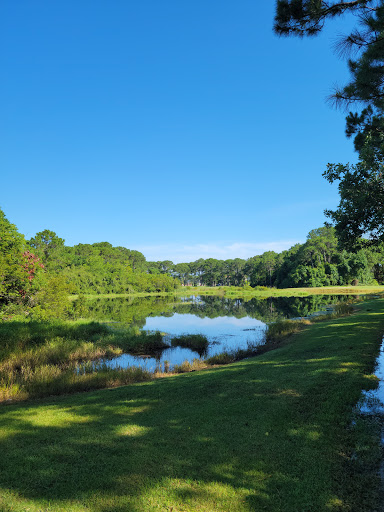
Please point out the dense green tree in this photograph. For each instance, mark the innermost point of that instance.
(135, 258)
(360, 212)
(213, 272)
(375, 257)
(99, 267)
(319, 262)
(290, 259)
(321, 245)
(166, 266)
(45, 243)
(52, 301)
(197, 271)
(234, 272)
(263, 269)
(182, 272)
(50, 249)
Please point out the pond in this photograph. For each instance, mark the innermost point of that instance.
(228, 324)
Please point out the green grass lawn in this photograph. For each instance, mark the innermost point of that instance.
(272, 433)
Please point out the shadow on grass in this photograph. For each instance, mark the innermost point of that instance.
(271, 433)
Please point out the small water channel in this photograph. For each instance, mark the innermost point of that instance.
(228, 324)
(372, 401)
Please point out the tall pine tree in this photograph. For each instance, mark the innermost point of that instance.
(361, 209)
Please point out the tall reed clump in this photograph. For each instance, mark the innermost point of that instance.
(222, 358)
(343, 309)
(283, 328)
(186, 366)
(47, 380)
(231, 356)
(57, 351)
(19, 336)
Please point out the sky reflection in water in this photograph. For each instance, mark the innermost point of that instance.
(223, 333)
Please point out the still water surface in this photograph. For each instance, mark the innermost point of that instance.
(223, 333)
(228, 324)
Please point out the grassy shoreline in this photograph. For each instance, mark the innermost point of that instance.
(238, 292)
(271, 433)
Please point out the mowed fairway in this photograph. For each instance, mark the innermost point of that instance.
(272, 433)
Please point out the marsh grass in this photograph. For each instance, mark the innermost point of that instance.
(148, 343)
(225, 357)
(47, 380)
(43, 358)
(231, 356)
(283, 328)
(186, 366)
(51, 380)
(343, 309)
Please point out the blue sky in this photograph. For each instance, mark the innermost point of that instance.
(180, 129)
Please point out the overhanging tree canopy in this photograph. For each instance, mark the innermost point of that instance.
(360, 212)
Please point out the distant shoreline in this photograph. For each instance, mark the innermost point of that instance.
(238, 292)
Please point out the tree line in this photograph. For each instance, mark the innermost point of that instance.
(318, 262)
(37, 275)
(101, 268)
(41, 272)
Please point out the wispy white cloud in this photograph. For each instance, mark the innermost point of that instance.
(186, 253)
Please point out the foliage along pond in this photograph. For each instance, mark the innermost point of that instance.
(228, 324)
